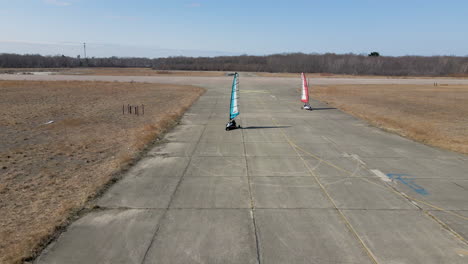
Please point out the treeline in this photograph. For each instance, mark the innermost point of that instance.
(39, 61)
(293, 62)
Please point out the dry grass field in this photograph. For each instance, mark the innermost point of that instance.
(348, 76)
(49, 171)
(435, 115)
(112, 72)
(141, 72)
(109, 71)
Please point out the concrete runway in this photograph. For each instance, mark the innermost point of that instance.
(292, 186)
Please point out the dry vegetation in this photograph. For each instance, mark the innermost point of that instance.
(140, 72)
(348, 76)
(435, 115)
(112, 72)
(49, 171)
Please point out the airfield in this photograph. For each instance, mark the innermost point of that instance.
(291, 186)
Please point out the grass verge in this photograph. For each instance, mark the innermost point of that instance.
(434, 115)
(49, 170)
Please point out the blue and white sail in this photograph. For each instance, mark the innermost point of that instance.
(234, 109)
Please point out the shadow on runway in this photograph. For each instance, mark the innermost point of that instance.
(323, 108)
(264, 127)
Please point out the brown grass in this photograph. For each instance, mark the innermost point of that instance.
(348, 76)
(140, 72)
(48, 172)
(109, 71)
(435, 115)
(113, 72)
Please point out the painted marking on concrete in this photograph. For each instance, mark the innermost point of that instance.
(381, 175)
(253, 91)
(329, 140)
(408, 181)
(348, 224)
(356, 157)
(462, 252)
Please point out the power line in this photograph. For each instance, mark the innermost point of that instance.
(84, 47)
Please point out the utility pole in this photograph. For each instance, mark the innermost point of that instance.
(84, 47)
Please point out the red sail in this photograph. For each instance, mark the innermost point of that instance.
(305, 89)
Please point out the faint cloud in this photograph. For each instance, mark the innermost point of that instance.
(57, 2)
(193, 5)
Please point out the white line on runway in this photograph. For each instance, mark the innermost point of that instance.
(381, 175)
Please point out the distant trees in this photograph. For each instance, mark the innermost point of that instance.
(37, 61)
(323, 63)
(373, 64)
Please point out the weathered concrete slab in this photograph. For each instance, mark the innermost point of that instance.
(149, 184)
(456, 220)
(322, 150)
(217, 166)
(140, 192)
(370, 151)
(276, 166)
(218, 121)
(262, 134)
(219, 149)
(204, 236)
(212, 192)
(422, 168)
(185, 133)
(257, 120)
(359, 193)
(288, 192)
(174, 149)
(160, 167)
(417, 150)
(217, 133)
(406, 236)
(306, 236)
(267, 149)
(111, 236)
(446, 194)
(400, 165)
(301, 138)
(338, 167)
(195, 119)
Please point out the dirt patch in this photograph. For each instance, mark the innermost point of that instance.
(61, 142)
(435, 115)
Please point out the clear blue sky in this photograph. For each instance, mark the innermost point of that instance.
(142, 27)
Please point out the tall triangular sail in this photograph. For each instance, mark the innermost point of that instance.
(234, 109)
(305, 90)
